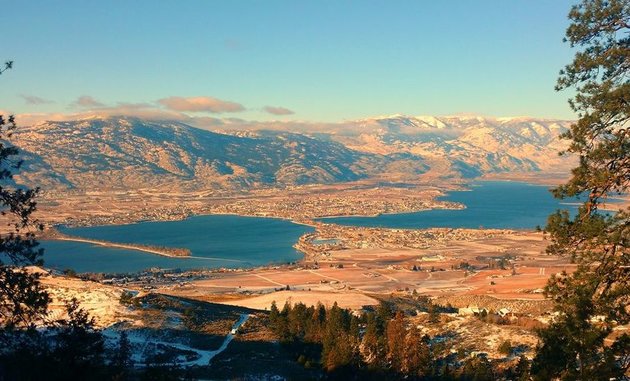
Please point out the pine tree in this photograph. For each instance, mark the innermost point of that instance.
(598, 243)
(23, 302)
(32, 346)
(337, 349)
(318, 320)
(297, 321)
(418, 361)
(122, 361)
(79, 346)
(281, 325)
(274, 313)
(396, 334)
(372, 343)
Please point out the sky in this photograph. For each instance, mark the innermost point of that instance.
(325, 61)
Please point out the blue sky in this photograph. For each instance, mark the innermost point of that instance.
(306, 60)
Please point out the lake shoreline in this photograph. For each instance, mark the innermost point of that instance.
(208, 241)
(116, 245)
(172, 252)
(488, 204)
(205, 226)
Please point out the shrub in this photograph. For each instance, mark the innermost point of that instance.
(505, 347)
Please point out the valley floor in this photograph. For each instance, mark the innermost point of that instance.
(357, 268)
(342, 263)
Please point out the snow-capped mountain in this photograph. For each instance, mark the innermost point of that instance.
(470, 145)
(131, 153)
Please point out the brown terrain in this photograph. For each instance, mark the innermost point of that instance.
(472, 270)
(458, 267)
(349, 265)
(126, 174)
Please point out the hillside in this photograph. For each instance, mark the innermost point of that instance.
(124, 153)
(465, 146)
(131, 153)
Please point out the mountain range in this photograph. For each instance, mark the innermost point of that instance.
(121, 153)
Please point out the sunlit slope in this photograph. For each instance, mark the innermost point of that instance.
(132, 153)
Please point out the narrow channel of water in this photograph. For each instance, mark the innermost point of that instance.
(215, 241)
(489, 204)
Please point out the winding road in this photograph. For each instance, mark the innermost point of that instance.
(205, 356)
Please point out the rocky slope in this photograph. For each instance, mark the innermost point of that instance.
(127, 153)
(131, 153)
(465, 146)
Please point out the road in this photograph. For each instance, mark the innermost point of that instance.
(227, 340)
(205, 356)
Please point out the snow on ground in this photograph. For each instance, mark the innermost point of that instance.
(100, 301)
(140, 340)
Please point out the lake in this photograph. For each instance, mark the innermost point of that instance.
(235, 241)
(489, 204)
(215, 241)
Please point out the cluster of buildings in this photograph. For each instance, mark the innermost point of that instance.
(313, 207)
(174, 213)
(350, 237)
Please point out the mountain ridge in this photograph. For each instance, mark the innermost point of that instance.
(131, 153)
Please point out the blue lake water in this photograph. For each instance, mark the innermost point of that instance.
(215, 241)
(235, 241)
(489, 204)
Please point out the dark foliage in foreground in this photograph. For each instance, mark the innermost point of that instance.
(380, 344)
(595, 298)
(32, 345)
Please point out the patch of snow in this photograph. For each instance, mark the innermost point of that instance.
(204, 357)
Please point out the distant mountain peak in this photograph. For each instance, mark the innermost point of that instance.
(124, 152)
(421, 121)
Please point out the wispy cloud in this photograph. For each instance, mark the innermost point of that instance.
(180, 109)
(35, 100)
(139, 110)
(29, 119)
(86, 101)
(133, 106)
(278, 110)
(200, 104)
(233, 44)
(172, 108)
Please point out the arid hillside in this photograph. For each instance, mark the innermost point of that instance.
(121, 153)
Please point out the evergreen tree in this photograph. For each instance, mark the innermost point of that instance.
(78, 347)
(373, 344)
(338, 350)
(65, 349)
(598, 243)
(23, 302)
(318, 320)
(274, 313)
(418, 361)
(396, 334)
(521, 371)
(297, 319)
(281, 325)
(122, 361)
